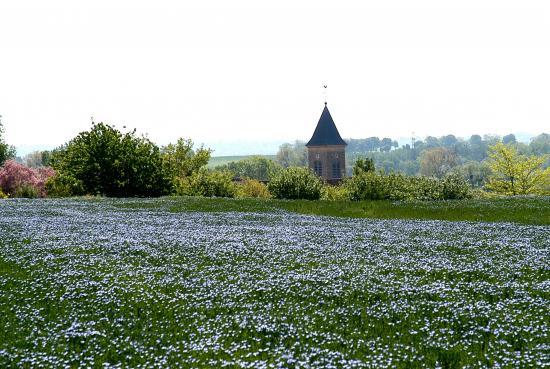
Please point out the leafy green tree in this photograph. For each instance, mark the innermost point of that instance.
(108, 162)
(363, 166)
(448, 141)
(180, 160)
(476, 173)
(292, 155)
(372, 144)
(509, 139)
(477, 148)
(437, 161)
(256, 167)
(37, 159)
(541, 144)
(431, 142)
(6, 151)
(516, 174)
(386, 144)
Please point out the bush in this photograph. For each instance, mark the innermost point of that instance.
(18, 180)
(3, 195)
(334, 193)
(365, 186)
(395, 186)
(108, 162)
(296, 183)
(62, 185)
(252, 188)
(455, 187)
(27, 191)
(208, 184)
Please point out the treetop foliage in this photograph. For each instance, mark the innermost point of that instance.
(363, 165)
(292, 155)
(437, 161)
(256, 167)
(111, 163)
(180, 160)
(105, 161)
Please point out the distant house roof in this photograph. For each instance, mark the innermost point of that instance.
(326, 132)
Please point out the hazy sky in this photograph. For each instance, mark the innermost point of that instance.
(253, 70)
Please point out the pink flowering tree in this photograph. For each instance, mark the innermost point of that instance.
(14, 176)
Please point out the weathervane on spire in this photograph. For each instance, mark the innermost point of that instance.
(325, 93)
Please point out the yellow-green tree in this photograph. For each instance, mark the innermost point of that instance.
(181, 160)
(516, 174)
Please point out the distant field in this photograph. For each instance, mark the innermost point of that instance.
(222, 160)
(107, 283)
(526, 210)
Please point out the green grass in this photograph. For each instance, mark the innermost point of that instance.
(525, 210)
(222, 160)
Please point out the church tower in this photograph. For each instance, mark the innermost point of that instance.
(326, 150)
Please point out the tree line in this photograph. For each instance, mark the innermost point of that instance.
(108, 162)
(432, 156)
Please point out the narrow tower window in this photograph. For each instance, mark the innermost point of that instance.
(318, 167)
(336, 169)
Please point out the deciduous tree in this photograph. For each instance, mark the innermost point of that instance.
(111, 163)
(516, 174)
(363, 166)
(256, 167)
(181, 160)
(292, 155)
(437, 162)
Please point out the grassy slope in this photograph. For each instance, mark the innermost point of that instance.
(526, 210)
(222, 160)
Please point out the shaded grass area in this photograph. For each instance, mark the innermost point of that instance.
(525, 210)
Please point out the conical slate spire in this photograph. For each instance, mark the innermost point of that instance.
(326, 132)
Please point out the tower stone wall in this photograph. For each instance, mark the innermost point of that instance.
(328, 162)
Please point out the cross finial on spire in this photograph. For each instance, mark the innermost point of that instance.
(325, 93)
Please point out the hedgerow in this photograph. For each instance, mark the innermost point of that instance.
(396, 186)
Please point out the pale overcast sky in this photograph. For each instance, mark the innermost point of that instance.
(224, 71)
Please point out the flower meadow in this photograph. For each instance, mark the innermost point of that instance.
(98, 284)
